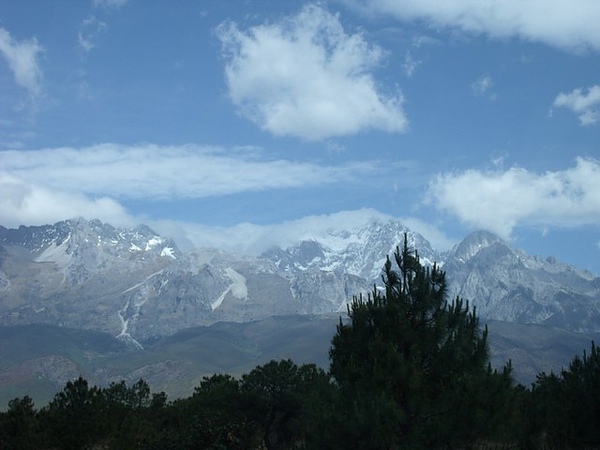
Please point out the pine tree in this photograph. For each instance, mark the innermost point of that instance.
(568, 404)
(73, 415)
(409, 363)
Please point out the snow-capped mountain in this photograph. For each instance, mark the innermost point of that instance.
(69, 273)
(360, 251)
(137, 285)
(502, 282)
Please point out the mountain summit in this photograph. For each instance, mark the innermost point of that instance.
(359, 251)
(138, 285)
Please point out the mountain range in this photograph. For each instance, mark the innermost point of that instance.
(139, 288)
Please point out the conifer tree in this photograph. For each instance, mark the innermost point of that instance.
(409, 363)
(568, 404)
(73, 415)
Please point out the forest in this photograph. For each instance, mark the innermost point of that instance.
(409, 369)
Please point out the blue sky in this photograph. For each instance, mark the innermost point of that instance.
(244, 123)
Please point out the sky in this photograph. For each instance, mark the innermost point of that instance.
(247, 123)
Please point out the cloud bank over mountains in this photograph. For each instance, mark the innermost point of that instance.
(48, 185)
(77, 181)
(501, 200)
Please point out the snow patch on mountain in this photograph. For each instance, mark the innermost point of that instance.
(473, 244)
(55, 253)
(124, 335)
(153, 242)
(168, 251)
(237, 288)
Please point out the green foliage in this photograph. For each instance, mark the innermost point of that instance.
(73, 415)
(281, 398)
(18, 426)
(568, 405)
(117, 417)
(412, 365)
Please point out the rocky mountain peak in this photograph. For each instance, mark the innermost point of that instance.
(307, 251)
(474, 243)
(359, 250)
(81, 247)
(136, 284)
(35, 237)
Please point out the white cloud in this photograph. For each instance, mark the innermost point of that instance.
(501, 200)
(22, 58)
(252, 239)
(162, 172)
(26, 203)
(572, 25)
(306, 77)
(584, 105)
(436, 236)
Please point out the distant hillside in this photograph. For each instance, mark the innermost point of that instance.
(37, 360)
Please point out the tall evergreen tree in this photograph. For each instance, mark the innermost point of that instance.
(73, 416)
(19, 429)
(282, 398)
(409, 363)
(568, 404)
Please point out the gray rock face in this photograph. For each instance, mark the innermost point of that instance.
(509, 285)
(79, 273)
(137, 285)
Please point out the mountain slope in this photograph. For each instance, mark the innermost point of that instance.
(38, 360)
(502, 282)
(509, 285)
(136, 285)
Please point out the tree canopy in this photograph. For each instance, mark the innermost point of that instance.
(409, 362)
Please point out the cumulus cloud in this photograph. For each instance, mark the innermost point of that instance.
(163, 172)
(22, 58)
(501, 200)
(26, 203)
(585, 105)
(305, 76)
(571, 25)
